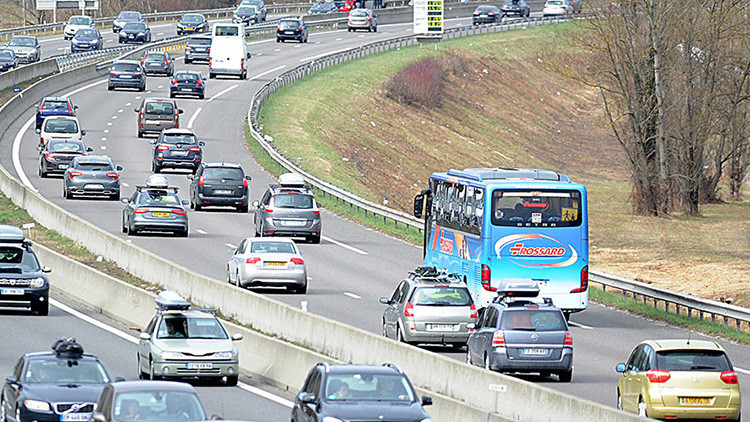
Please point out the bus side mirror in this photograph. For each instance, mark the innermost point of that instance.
(418, 205)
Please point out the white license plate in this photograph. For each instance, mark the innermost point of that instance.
(126, 76)
(483, 16)
(289, 32)
(94, 186)
(200, 49)
(186, 89)
(154, 64)
(196, 365)
(131, 36)
(442, 327)
(222, 191)
(75, 417)
(179, 153)
(11, 291)
(62, 166)
(535, 352)
(293, 223)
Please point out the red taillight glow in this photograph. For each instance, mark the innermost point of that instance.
(299, 29)
(138, 74)
(658, 376)
(189, 48)
(729, 377)
(268, 210)
(70, 109)
(201, 180)
(198, 82)
(41, 106)
(486, 285)
(316, 212)
(252, 260)
(174, 81)
(278, 28)
(474, 313)
(244, 183)
(162, 148)
(297, 261)
(178, 211)
(498, 339)
(73, 174)
(49, 156)
(140, 210)
(409, 309)
(568, 339)
(113, 175)
(195, 149)
(584, 281)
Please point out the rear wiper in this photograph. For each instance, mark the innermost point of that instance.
(524, 329)
(702, 367)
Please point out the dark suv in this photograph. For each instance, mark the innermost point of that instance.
(518, 333)
(177, 148)
(23, 282)
(288, 209)
(358, 392)
(219, 184)
(291, 29)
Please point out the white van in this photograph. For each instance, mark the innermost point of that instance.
(229, 54)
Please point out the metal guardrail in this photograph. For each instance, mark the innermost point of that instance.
(74, 60)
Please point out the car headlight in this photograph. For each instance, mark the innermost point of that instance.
(330, 419)
(225, 355)
(37, 282)
(41, 406)
(141, 33)
(171, 355)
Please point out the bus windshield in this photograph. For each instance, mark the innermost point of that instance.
(536, 208)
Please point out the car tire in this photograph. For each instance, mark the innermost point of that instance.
(202, 96)
(375, 29)
(298, 289)
(115, 196)
(110, 88)
(618, 404)
(314, 239)
(188, 61)
(211, 75)
(140, 134)
(171, 94)
(3, 415)
(642, 409)
(41, 309)
(183, 233)
(66, 194)
(142, 88)
(124, 227)
(151, 375)
(565, 376)
(399, 334)
(385, 332)
(155, 169)
(369, 28)
(42, 173)
(232, 380)
(237, 279)
(278, 39)
(487, 362)
(197, 207)
(243, 208)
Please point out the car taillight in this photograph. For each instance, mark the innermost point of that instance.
(208, 49)
(252, 260)
(201, 180)
(278, 28)
(729, 377)
(113, 175)
(584, 281)
(297, 261)
(409, 309)
(41, 106)
(244, 183)
(70, 109)
(162, 148)
(195, 149)
(316, 212)
(198, 82)
(562, 7)
(178, 211)
(491, 14)
(138, 74)
(299, 29)
(474, 313)
(140, 210)
(174, 81)
(190, 48)
(73, 174)
(486, 279)
(498, 339)
(49, 156)
(268, 210)
(658, 376)
(568, 339)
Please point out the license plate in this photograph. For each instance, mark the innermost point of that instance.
(11, 291)
(126, 76)
(154, 64)
(131, 36)
(160, 214)
(695, 400)
(62, 166)
(535, 352)
(179, 153)
(442, 327)
(189, 29)
(200, 49)
(483, 16)
(186, 89)
(222, 191)
(275, 264)
(197, 365)
(94, 186)
(293, 223)
(289, 32)
(75, 417)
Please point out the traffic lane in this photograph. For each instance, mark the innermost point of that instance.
(119, 357)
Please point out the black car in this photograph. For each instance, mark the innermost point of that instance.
(322, 7)
(158, 63)
(198, 48)
(192, 23)
(8, 59)
(291, 29)
(260, 5)
(219, 184)
(149, 401)
(135, 32)
(123, 18)
(57, 154)
(516, 7)
(128, 74)
(54, 106)
(358, 392)
(23, 282)
(57, 386)
(187, 82)
(485, 14)
(246, 14)
(177, 148)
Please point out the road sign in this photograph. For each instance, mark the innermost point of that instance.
(428, 18)
(67, 4)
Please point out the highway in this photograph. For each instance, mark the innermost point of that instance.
(353, 266)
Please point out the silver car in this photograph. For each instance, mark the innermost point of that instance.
(92, 175)
(267, 262)
(430, 307)
(155, 207)
(557, 8)
(362, 19)
(27, 48)
(288, 209)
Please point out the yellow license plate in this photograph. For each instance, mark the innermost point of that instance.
(161, 214)
(275, 264)
(695, 400)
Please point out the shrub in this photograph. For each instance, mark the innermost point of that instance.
(418, 84)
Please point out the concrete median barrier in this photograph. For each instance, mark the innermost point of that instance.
(28, 72)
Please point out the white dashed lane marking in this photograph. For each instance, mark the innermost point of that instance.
(352, 295)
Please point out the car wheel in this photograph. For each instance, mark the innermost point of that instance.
(237, 279)
(140, 134)
(41, 309)
(619, 400)
(385, 330)
(124, 227)
(110, 87)
(42, 174)
(198, 207)
(399, 334)
(141, 375)
(171, 94)
(298, 289)
(314, 239)
(566, 376)
(375, 29)
(242, 208)
(188, 61)
(67, 194)
(278, 39)
(18, 414)
(642, 411)
(3, 417)
(202, 96)
(369, 29)
(115, 196)
(487, 362)
(232, 380)
(142, 88)
(155, 168)
(211, 75)
(151, 374)
(182, 233)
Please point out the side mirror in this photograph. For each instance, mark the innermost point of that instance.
(418, 205)
(75, 107)
(201, 143)
(620, 367)
(237, 337)
(385, 301)
(145, 336)
(152, 141)
(190, 177)
(46, 270)
(248, 178)
(249, 55)
(35, 105)
(180, 111)
(136, 110)
(426, 400)
(11, 379)
(83, 133)
(307, 398)
(119, 168)
(256, 204)
(204, 79)
(125, 200)
(89, 149)
(38, 131)
(185, 202)
(39, 148)
(98, 417)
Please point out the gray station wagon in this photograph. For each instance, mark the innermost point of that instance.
(288, 209)
(92, 175)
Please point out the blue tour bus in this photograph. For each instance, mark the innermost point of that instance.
(493, 224)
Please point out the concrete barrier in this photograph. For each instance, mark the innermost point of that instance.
(25, 73)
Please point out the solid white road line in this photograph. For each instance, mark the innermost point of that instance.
(260, 75)
(742, 371)
(352, 295)
(194, 116)
(579, 325)
(343, 245)
(266, 395)
(231, 246)
(222, 92)
(16, 152)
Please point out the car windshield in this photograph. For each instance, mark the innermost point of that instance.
(272, 247)
(293, 200)
(159, 107)
(94, 166)
(186, 77)
(368, 387)
(21, 42)
(527, 319)
(179, 138)
(192, 18)
(199, 41)
(158, 198)
(6, 53)
(86, 33)
(252, 2)
(247, 10)
(319, 6)
(15, 260)
(155, 57)
(135, 26)
(62, 146)
(226, 173)
(227, 31)
(359, 13)
(61, 126)
(128, 16)
(79, 20)
(543, 208)
(65, 371)
(181, 326)
(289, 24)
(125, 67)
(692, 360)
(441, 296)
(158, 406)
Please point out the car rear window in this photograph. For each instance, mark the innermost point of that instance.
(65, 147)
(128, 16)
(247, 10)
(186, 77)
(289, 24)
(79, 20)
(484, 9)
(359, 13)
(100, 166)
(21, 42)
(86, 33)
(158, 107)
(187, 138)
(441, 296)
(533, 320)
(199, 41)
(192, 18)
(227, 31)
(55, 104)
(158, 198)
(293, 200)
(692, 360)
(61, 126)
(125, 67)
(229, 173)
(272, 247)
(156, 57)
(554, 3)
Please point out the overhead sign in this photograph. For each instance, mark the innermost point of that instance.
(45, 4)
(67, 4)
(428, 17)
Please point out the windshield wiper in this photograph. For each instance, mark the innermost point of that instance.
(524, 329)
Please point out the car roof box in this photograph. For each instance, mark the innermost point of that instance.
(171, 301)
(68, 348)
(518, 287)
(291, 180)
(11, 234)
(157, 181)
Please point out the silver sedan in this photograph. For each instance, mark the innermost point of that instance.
(267, 262)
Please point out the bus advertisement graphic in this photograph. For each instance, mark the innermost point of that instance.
(535, 251)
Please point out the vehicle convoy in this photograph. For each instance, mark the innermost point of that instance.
(54, 106)
(679, 379)
(75, 23)
(57, 386)
(219, 184)
(267, 262)
(155, 207)
(56, 156)
(27, 48)
(127, 74)
(430, 307)
(92, 175)
(228, 54)
(23, 281)
(520, 333)
(488, 224)
(177, 148)
(153, 401)
(288, 209)
(351, 392)
(181, 342)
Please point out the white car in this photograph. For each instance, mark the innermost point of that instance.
(557, 8)
(60, 127)
(267, 262)
(75, 23)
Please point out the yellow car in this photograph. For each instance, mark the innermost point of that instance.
(679, 379)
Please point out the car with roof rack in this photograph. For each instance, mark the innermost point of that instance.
(353, 392)
(288, 209)
(185, 342)
(155, 207)
(219, 184)
(522, 333)
(23, 281)
(430, 306)
(61, 385)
